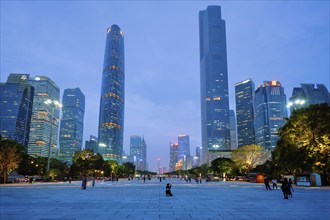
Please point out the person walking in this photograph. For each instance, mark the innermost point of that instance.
(266, 181)
(274, 183)
(285, 188)
(290, 188)
(84, 182)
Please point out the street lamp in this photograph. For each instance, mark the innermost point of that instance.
(53, 104)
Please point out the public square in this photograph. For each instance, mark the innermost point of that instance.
(138, 200)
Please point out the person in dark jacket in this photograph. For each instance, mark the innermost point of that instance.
(290, 188)
(266, 181)
(285, 188)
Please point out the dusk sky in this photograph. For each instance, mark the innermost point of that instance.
(286, 41)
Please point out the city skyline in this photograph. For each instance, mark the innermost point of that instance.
(162, 55)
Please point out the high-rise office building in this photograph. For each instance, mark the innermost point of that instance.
(174, 155)
(244, 94)
(199, 155)
(214, 83)
(184, 151)
(308, 94)
(72, 123)
(233, 133)
(138, 152)
(92, 144)
(45, 117)
(16, 99)
(111, 118)
(270, 113)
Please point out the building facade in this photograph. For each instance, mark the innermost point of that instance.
(111, 117)
(214, 83)
(184, 151)
(72, 123)
(270, 113)
(308, 94)
(16, 100)
(92, 144)
(45, 118)
(244, 95)
(138, 152)
(174, 154)
(233, 132)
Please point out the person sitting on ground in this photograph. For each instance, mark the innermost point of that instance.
(168, 190)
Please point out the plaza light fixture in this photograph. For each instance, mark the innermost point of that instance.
(53, 104)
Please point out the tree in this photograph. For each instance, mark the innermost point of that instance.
(10, 157)
(126, 169)
(223, 166)
(248, 157)
(86, 162)
(308, 129)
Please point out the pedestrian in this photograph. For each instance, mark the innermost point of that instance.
(70, 179)
(168, 190)
(274, 183)
(290, 188)
(93, 182)
(266, 181)
(285, 188)
(84, 182)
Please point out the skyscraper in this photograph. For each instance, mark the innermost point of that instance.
(214, 83)
(45, 118)
(244, 94)
(308, 94)
(72, 123)
(138, 152)
(174, 154)
(92, 144)
(184, 151)
(111, 118)
(270, 113)
(16, 99)
(233, 133)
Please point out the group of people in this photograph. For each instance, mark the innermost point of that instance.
(286, 187)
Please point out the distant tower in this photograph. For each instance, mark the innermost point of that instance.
(72, 123)
(270, 113)
(92, 144)
(16, 99)
(138, 152)
(111, 118)
(233, 133)
(184, 151)
(244, 94)
(308, 94)
(214, 83)
(45, 118)
(174, 155)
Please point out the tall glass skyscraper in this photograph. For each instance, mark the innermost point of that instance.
(72, 123)
(16, 99)
(214, 83)
(45, 118)
(111, 118)
(174, 155)
(244, 94)
(184, 151)
(308, 94)
(270, 113)
(138, 152)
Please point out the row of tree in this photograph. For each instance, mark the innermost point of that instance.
(303, 146)
(14, 157)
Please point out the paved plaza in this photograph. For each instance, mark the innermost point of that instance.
(136, 200)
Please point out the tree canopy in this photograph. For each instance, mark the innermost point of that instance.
(248, 157)
(10, 157)
(305, 140)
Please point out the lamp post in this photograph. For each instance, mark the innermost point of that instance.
(53, 104)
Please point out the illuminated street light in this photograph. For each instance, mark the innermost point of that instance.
(297, 102)
(53, 104)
